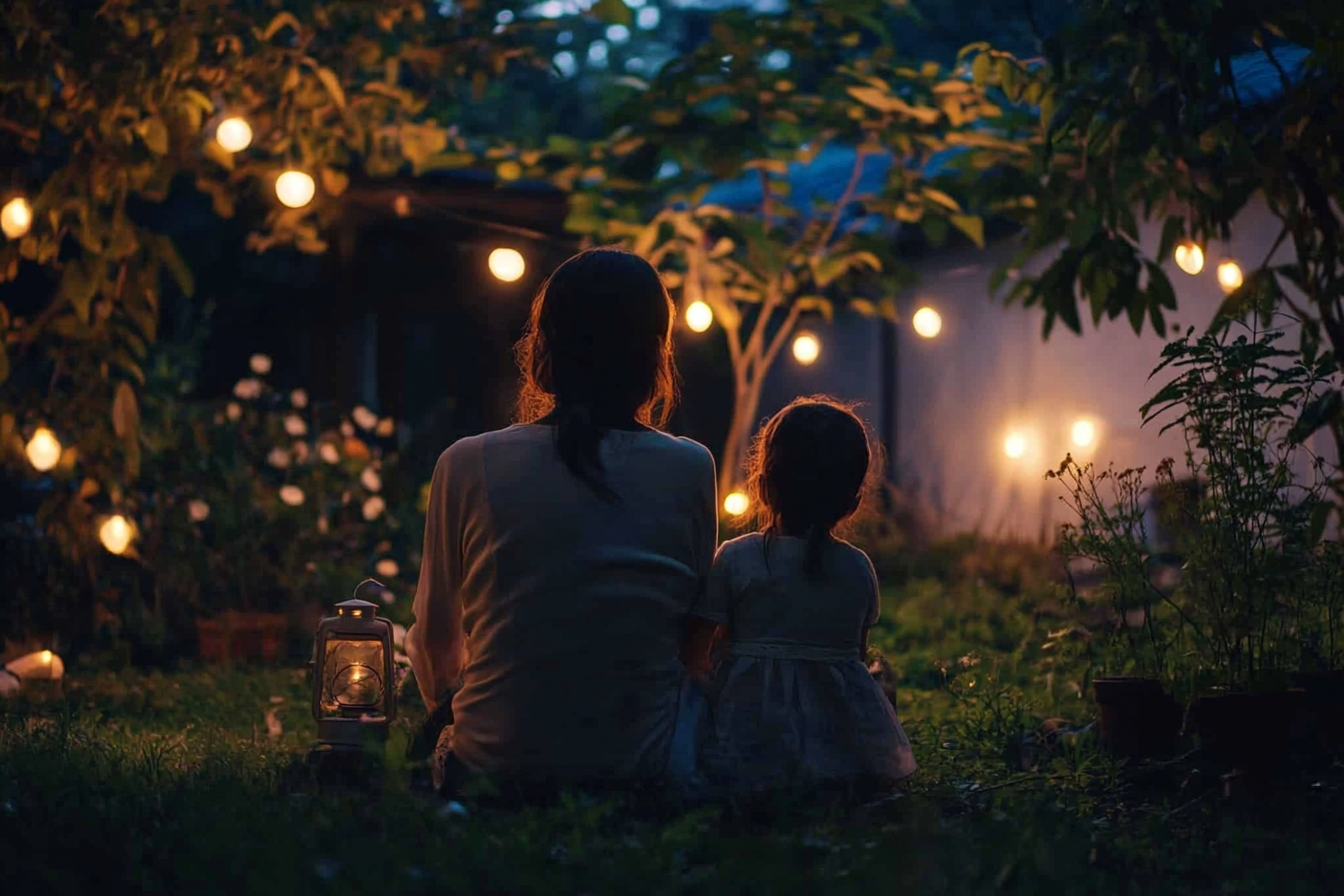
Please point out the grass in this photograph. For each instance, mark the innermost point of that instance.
(144, 782)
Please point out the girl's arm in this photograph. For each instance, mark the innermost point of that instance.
(435, 644)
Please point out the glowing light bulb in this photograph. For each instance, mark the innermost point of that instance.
(806, 348)
(1229, 276)
(115, 534)
(699, 316)
(927, 322)
(1189, 258)
(16, 218)
(507, 264)
(234, 134)
(43, 449)
(1015, 445)
(1084, 433)
(295, 189)
(736, 504)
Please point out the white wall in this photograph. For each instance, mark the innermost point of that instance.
(989, 372)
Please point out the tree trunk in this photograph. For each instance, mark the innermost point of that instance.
(746, 407)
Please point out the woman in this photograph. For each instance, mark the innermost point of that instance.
(562, 554)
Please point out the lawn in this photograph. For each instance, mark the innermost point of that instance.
(134, 781)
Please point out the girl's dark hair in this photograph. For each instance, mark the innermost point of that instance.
(597, 354)
(809, 469)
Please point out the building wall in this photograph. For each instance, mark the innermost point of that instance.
(989, 372)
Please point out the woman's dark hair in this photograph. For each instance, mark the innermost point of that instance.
(597, 354)
(809, 468)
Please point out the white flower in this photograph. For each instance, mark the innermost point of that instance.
(295, 426)
(247, 389)
(388, 597)
(373, 508)
(365, 418)
(298, 398)
(278, 458)
(260, 364)
(386, 427)
(347, 429)
(301, 452)
(370, 479)
(329, 453)
(387, 567)
(198, 510)
(323, 525)
(233, 411)
(291, 495)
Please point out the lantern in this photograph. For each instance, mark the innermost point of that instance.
(354, 698)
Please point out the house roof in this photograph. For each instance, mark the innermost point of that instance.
(825, 177)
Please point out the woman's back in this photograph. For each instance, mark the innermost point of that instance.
(573, 606)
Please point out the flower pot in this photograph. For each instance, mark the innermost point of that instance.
(1322, 714)
(1247, 730)
(248, 636)
(1138, 718)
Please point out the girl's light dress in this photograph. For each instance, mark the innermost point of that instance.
(792, 700)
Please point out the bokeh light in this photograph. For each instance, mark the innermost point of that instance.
(115, 534)
(43, 450)
(699, 316)
(1083, 434)
(736, 503)
(806, 348)
(1230, 277)
(927, 322)
(507, 264)
(1189, 258)
(295, 189)
(1015, 445)
(16, 218)
(234, 134)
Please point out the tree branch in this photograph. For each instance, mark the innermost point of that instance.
(845, 199)
(795, 311)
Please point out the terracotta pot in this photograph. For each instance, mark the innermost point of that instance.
(248, 636)
(1139, 719)
(1247, 730)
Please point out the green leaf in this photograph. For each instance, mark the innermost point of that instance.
(333, 84)
(1322, 410)
(981, 68)
(971, 225)
(79, 284)
(864, 307)
(613, 12)
(125, 411)
(817, 303)
(279, 22)
(154, 133)
(177, 268)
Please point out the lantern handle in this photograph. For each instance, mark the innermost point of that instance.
(369, 590)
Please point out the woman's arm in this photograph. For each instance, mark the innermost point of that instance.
(435, 643)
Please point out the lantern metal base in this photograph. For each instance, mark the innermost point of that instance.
(333, 764)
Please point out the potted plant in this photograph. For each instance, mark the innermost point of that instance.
(1138, 717)
(1251, 586)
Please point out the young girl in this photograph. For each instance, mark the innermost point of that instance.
(793, 700)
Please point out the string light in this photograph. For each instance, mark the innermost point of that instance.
(1229, 276)
(295, 189)
(43, 450)
(507, 264)
(1189, 258)
(16, 218)
(736, 503)
(806, 348)
(234, 134)
(699, 316)
(115, 534)
(927, 322)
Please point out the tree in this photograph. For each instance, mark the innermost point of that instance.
(104, 109)
(1154, 122)
(723, 112)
